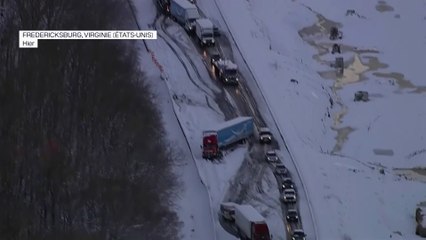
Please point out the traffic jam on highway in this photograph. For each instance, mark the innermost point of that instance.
(245, 219)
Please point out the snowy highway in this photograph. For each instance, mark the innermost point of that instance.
(252, 171)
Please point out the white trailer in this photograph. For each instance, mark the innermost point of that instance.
(204, 32)
(250, 224)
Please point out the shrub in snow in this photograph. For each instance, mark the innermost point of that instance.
(421, 225)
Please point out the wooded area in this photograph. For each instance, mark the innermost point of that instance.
(82, 154)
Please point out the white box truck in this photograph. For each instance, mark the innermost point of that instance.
(250, 224)
(204, 32)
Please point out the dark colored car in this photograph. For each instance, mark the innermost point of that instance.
(287, 183)
(292, 216)
(214, 55)
(289, 196)
(298, 234)
(271, 157)
(281, 170)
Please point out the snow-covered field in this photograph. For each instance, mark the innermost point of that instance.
(346, 150)
(192, 204)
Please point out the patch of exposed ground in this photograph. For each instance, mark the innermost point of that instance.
(355, 69)
(413, 174)
(402, 82)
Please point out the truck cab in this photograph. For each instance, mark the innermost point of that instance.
(227, 210)
(189, 26)
(226, 71)
(260, 232)
(192, 15)
(204, 32)
(210, 145)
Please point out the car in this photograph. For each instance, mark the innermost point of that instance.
(214, 55)
(271, 156)
(265, 135)
(287, 183)
(280, 170)
(292, 216)
(289, 196)
(227, 210)
(298, 234)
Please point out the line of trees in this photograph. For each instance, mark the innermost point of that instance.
(82, 154)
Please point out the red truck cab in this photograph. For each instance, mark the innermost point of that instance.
(260, 232)
(210, 145)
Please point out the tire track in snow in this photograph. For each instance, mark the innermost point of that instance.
(182, 49)
(240, 100)
(241, 93)
(220, 98)
(163, 34)
(248, 179)
(259, 181)
(276, 124)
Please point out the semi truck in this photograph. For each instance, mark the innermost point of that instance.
(204, 32)
(226, 134)
(185, 13)
(226, 71)
(250, 224)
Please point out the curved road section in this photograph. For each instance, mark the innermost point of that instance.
(214, 8)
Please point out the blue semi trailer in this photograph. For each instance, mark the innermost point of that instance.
(226, 134)
(185, 13)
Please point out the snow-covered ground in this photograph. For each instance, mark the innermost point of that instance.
(192, 204)
(189, 95)
(340, 145)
